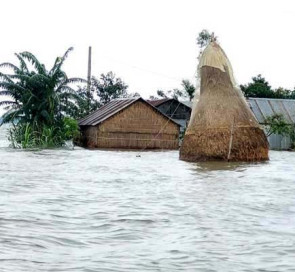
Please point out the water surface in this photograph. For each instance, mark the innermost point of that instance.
(83, 210)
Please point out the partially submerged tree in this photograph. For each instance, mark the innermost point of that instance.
(276, 124)
(37, 100)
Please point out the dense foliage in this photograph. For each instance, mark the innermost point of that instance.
(276, 124)
(204, 38)
(259, 87)
(102, 90)
(108, 87)
(188, 89)
(86, 103)
(38, 101)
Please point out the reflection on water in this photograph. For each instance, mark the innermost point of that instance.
(83, 210)
(221, 166)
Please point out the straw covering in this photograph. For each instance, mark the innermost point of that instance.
(222, 126)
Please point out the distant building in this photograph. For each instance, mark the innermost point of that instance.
(265, 107)
(129, 123)
(179, 111)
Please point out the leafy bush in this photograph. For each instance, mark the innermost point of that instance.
(276, 124)
(70, 128)
(26, 135)
(38, 102)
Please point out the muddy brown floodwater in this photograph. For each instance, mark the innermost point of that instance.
(82, 210)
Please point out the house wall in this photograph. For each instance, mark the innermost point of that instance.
(279, 142)
(89, 136)
(265, 107)
(135, 127)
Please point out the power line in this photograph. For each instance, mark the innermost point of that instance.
(178, 79)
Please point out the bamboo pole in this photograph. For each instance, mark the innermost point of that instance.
(231, 140)
(89, 78)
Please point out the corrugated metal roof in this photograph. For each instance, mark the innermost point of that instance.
(106, 111)
(158, 102)
(187, 103)
(111, 108)
(264, 107)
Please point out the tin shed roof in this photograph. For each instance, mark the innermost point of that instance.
(105, 112)
(159, 102)
(265, 107)
(111, 108)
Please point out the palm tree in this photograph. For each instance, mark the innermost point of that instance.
(37, 96)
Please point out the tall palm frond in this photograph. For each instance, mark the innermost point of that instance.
(10, 66)
(59, 62)
(7, 103)
(32, 59)
(38, 96)
(23, 64)
(5, 78)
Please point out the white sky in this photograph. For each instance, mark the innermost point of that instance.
(151, 44)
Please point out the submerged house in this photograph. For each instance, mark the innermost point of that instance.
(266, 107)
(174, 109)
(131, 124)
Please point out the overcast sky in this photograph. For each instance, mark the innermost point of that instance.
(151, 44)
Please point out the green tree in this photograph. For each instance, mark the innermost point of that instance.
(152, 97)
(37, 99)
(109, 87)
(284, 93)
(85, 104)
(132, 95)
(187, 91)
(163, 94)
(276, 124)
(259, 87)
(204, 38)
(175, 93)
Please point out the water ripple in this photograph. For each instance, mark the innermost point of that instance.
(85, 210)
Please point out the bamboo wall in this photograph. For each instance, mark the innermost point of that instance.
(135, 127)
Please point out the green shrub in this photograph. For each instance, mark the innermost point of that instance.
(26, 135)
(70, 128)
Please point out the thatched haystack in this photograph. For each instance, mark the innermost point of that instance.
(222, 126)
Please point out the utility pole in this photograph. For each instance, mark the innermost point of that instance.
(89, 78)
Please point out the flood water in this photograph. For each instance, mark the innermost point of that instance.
(83, 210)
